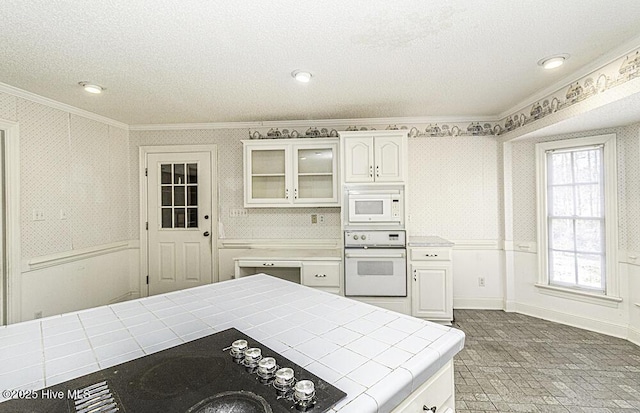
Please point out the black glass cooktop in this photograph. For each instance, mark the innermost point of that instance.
(196, 377)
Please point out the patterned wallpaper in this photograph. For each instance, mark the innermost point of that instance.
(69, 166)
(260, 223)
(8, 107)
(455, 187)
(524, 185)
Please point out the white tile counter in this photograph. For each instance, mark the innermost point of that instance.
(428, 241)
(378, 357)
(292, 254)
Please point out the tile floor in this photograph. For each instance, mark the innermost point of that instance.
(515, 363)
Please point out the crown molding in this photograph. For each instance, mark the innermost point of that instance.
(604, 60)
(23, 94)
(316, 122)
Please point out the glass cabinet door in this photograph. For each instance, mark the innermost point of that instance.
(267, 175)
(315, 177)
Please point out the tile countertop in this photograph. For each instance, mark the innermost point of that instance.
(291, 254)
(378, 357)
(428, 241)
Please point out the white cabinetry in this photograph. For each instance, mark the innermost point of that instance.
(436, 392)
(317, 268)
(432, 283)
(374, 156)
(291, 173)
(321, 275)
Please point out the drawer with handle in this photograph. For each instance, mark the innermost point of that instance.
(430, 254)
(321, 274)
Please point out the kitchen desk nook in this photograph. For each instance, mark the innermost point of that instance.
(384, 361)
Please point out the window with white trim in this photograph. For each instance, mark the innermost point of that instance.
(577, 224)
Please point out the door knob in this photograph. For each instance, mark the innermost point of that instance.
(206, 233)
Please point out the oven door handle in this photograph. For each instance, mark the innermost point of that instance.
(350, 255)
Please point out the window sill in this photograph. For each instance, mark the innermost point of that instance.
(576, 295)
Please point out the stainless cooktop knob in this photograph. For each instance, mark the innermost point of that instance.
(363, 237)
(355, 237)
(304, 390)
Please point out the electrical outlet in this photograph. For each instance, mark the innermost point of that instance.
(314, 219)
(320, 219)
(481, 281)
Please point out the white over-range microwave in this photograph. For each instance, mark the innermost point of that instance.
(375, 206)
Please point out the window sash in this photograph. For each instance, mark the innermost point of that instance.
(554, 268)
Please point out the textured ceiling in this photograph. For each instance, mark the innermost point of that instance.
(165, 61)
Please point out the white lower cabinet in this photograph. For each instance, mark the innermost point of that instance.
(322, 275)
(435, 395)
(432, 284)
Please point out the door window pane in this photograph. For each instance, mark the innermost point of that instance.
(165, 173)
(166, 218)
(178, 195)
(192, 173)
(192, 195)
(180, 219)
(192, 217)
(166, 196)
(178, 173)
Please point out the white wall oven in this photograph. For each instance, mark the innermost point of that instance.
(383, 206)
(375, 263)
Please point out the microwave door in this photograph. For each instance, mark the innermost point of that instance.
(369, 210)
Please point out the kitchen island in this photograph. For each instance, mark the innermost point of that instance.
(378, 357)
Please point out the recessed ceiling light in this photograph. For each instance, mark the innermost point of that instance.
(552, 62)
(91, 88)
(301, 76)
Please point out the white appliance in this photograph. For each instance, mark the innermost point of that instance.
(375, 206)
(375, 263)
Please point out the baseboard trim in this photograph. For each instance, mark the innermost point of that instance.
(598, 326)
(464, 303)
(131, 295)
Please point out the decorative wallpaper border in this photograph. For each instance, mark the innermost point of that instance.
(431, 130)
(616, 73)
(608, 77)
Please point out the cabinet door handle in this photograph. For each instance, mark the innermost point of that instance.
(378, 170)
(295, 193)
(321, 275)
(268, 264)
(429, 409)
(371, 171)
(286, 193)
(415, 278)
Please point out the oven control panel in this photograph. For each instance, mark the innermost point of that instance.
(381, 238)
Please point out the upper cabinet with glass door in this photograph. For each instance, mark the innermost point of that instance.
(291, 173)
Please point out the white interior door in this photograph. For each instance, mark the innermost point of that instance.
(179, 211)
